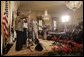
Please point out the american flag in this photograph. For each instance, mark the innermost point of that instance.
(5, 21)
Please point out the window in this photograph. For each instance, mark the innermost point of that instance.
(54, 24)
(40, 23)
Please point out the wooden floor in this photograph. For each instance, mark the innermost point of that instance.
(27, 52)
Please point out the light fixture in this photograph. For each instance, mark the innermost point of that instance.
(65, 18)
(45, 16)
(73, 5)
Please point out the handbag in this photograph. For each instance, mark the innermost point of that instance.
(39, 47)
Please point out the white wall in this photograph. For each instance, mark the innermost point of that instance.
(1, 45)
(2, 13)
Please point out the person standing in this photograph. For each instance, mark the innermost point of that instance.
(30, 32)
(35, 28)
(45, 32)
(19, 32)
(25, 26)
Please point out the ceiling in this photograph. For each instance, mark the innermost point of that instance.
(41, 5)
(54, 7)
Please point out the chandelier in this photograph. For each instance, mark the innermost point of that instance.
(45, 16)
(73, 5)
